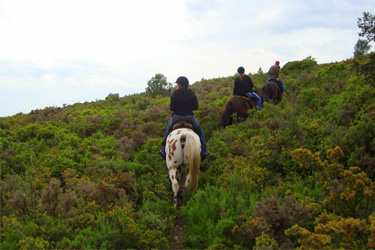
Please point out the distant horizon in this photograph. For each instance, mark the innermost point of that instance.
(58, 52)
(144, 91)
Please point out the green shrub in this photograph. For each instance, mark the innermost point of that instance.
(298, 65)
(211, 215)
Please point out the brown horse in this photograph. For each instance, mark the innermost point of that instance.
(260, 93)
(272, 92)
(239, 105)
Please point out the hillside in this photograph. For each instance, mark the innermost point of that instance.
(294, 175)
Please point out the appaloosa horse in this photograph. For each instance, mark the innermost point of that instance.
(183, 158)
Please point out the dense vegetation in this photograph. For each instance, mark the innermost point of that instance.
(296, 175)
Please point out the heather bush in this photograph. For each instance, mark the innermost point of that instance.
(299, 174)
(280, 217)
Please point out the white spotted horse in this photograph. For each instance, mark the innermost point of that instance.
(183, 149)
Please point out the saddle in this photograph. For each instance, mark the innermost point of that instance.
(182, 123)
(248, 100)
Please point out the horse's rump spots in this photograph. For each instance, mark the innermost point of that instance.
(174, 146)
(183, 148)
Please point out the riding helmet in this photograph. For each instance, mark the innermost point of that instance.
(183, 81)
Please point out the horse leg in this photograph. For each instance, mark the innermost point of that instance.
(175, 187)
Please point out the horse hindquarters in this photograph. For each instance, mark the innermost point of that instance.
(267, 91)
(183, 150)
(272, 92)
(174, 159)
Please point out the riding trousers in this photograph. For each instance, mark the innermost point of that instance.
(255, 97)
(196, 127)
(280, 81)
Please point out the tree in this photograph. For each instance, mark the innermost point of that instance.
(367, 26)
(361, 48)
(158, 85)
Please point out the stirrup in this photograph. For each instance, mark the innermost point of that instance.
(162, 156)
(204, 156)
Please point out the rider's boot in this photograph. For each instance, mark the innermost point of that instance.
(162, 153)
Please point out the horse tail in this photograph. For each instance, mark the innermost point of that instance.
(194, 159)
(267, 90)
(225, 119)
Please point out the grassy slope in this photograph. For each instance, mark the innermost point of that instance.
(110, 149)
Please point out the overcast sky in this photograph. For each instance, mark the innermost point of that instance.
(56, 52)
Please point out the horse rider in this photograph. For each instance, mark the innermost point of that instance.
(243, 86)
(274, 74)
(183, 102)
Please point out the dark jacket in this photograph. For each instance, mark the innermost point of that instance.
(244, 86)
(183, 102)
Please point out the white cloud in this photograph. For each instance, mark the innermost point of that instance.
(97, 47)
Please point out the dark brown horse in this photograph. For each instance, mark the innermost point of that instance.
(239, 105)
(260, 93)
(272, 92)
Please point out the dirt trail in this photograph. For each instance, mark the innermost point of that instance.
(177, 234)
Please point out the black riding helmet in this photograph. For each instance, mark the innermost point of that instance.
(241, 70)
(183, 81)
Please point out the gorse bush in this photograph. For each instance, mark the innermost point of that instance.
(299, 174)
(212, 214)
(294, 66)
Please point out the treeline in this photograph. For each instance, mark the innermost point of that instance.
(296, 175)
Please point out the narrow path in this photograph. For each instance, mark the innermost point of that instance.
(177, 234)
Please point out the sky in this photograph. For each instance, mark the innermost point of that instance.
(61, 52)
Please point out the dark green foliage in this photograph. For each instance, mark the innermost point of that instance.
(361, 48)
(367, 26)
(298, 66)
(212, 214)
(158, 85)
(90, 176)
(366, 66)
